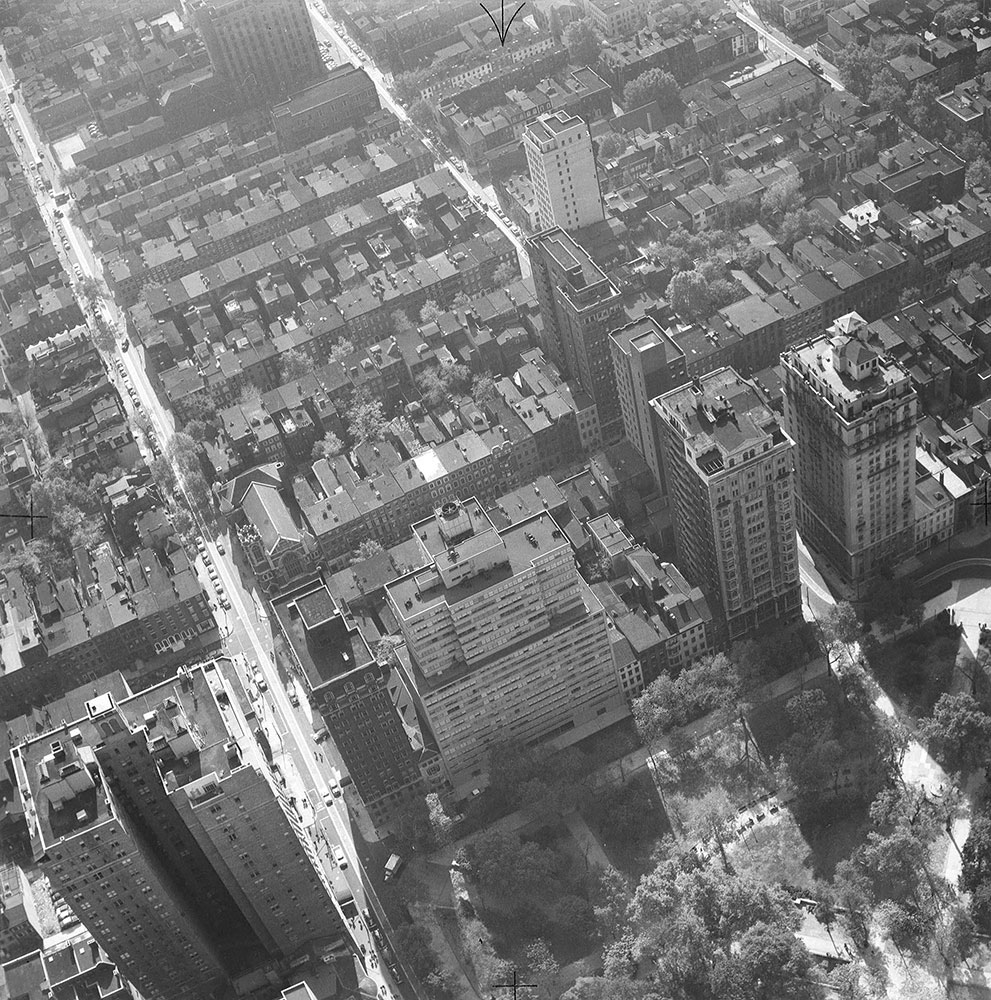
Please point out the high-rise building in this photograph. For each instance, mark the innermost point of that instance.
(262, 50)
(729, 471)
(366, 704)
(506, 642)
(562, 168)
(160, 821)
(579, 306)
(647, 362)
(852, 414)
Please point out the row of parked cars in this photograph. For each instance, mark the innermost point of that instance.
(214, 575)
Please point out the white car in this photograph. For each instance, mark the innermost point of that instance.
(342, 861)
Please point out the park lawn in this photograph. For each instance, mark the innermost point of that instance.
(501, 913)
(629, 845)
(917, 668)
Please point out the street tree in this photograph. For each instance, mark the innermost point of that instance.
(422, 113)
(582, 43)
(886, 91)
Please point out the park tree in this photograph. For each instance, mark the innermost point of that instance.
(976, 868)
(440, 822)
(575, 915)
(840, 624)
(294, 365)
(329, 446)
(611, 896)
(708, 816)
(582, 43)
(958, 732)
(979, 174)
(654, 85)
(542, 967)
(770, 964)
(413, 942)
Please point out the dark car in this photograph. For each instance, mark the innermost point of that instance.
(396, 974)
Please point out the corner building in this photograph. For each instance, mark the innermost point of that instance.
(729, 468)
(159, 820)
(507, 642)
(852, 413)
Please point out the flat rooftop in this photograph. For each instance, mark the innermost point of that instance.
(519, 545)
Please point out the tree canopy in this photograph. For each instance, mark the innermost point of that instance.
(582, 43)
(654, 85)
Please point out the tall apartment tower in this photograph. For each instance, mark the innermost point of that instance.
(262, 49)
(852, 414)
(729, 470)
(647, 363)
(159, 820)
(506, 641)
(562, 168)
(579, 306)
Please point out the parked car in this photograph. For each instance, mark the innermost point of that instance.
(339, 857)
(260, 680)
(220, 547)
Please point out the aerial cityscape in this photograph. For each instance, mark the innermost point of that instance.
(494, 499)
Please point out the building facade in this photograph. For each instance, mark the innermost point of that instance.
(160, 821)
(580, 306)
(852, 414)
(262, 50)
(729, 468)
(647, 363)
(506, 641)
(562, 168)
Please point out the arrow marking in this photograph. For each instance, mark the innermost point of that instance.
(503, 31)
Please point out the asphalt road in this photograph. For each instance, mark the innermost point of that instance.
(245, 627)
(777, 45)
